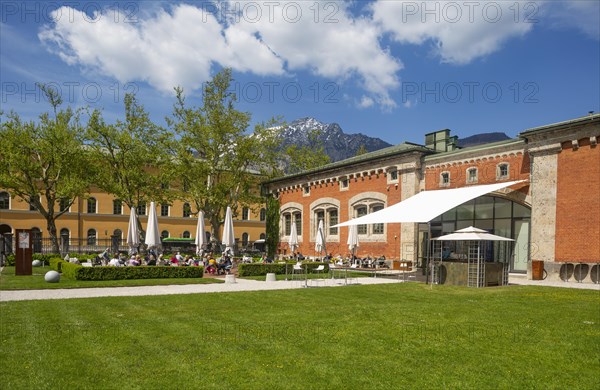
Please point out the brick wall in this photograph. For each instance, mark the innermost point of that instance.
(518, 169)
(374, 182)
(578, 203)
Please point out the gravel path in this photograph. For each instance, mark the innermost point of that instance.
(239, 285)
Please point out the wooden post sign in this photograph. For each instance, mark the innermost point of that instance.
(23, 252)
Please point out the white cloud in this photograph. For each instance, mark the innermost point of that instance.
(459, 31)
(178, 47)
(582, 15)
(365, 102)
(165, 50)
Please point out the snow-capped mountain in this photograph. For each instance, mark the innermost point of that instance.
(337, 144)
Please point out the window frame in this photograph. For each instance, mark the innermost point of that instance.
(91, 201)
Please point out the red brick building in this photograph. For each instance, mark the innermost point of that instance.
(553, 216)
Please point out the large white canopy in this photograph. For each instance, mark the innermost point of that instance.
(471, 234)
(426, 205)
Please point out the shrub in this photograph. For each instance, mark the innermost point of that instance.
(261, 269)
(141, 272)
(56, 263)
(69, 270)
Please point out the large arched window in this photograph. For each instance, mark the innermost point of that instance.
(290, 215)
(186, 234)
(164, 234)
(364, 207)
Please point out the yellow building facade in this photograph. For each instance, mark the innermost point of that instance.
(93, 221)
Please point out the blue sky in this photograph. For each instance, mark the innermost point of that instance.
(389, 69)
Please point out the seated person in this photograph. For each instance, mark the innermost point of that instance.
(224, 265)
(114, 262)
(152, 260)
(179, 258)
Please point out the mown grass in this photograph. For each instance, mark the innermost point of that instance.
(8, 281)
(386, 336)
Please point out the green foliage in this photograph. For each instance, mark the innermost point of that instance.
(78, 272)
(307, 157)
(361, 150)
(43, 162)
(394, 336)
(260, 269)
(272, 226)
(70, 270)
(218, 163)
(142, 272)
(132, 156)
(56, 263)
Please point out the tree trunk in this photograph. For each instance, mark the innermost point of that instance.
(51, 227)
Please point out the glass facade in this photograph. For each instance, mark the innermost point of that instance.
(498, 216)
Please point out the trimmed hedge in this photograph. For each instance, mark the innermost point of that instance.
(78, 272)
(43, 257)
(141, 272)
(261, 269)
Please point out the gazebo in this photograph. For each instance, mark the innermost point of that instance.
(475, 262)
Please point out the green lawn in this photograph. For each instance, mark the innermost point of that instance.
(388, 336)
(8, 281)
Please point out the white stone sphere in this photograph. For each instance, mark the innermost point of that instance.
(36, 263)
(52, 277)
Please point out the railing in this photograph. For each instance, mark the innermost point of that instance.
(67, 245)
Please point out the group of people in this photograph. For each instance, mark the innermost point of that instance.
(222, 266)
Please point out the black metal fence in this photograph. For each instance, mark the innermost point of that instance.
(66, 244)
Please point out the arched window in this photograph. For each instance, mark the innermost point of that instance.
(36, 240)
(263, 236)
(186, 234)
(118, 233)
(368, 206)
(65, 237)
(91, 206)
(4, 200)
(91, 237)
(244, 239)
(444, 179)
(164, 234)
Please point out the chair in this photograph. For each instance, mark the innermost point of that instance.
(318, 270)
(297, 270)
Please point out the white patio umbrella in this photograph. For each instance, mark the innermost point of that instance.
(320, 243)
(200, 237)
(353, 239)
(152, 235)
(228, 235)
(133, 233)
(293, 241)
